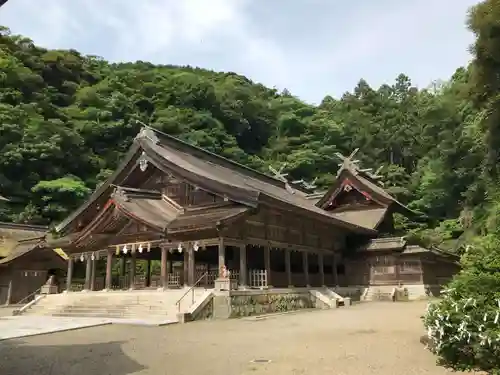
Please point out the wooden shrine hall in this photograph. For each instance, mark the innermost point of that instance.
(173, 214)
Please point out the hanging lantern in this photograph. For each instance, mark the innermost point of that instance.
(149, 247)
(125, 249)
(140, 249)
(82, 258)
(179, 248)
(196, 246)
(92, 257)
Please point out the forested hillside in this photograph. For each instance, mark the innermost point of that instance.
(67, 118)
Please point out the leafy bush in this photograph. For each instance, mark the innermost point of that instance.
(464, 326)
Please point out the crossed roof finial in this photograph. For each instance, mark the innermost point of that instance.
(348, 162)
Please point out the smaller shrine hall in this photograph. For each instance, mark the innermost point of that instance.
(173, 214)
(358, 196)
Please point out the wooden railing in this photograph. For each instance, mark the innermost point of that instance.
(257, 278)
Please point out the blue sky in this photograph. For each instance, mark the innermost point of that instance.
(311, 47)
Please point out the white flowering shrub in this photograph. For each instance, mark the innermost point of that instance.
(464, 326)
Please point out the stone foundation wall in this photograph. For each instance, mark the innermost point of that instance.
(206, 312)
(248, 303)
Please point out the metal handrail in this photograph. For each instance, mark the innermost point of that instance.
(29, 295)
(191, 289)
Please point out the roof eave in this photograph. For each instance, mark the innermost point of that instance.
(101, 189)
(264, 198)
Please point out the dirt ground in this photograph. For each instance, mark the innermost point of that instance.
(368, 338)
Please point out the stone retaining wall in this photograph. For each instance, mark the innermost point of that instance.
(256, 302)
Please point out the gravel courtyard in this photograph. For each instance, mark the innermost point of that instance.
(369, 338)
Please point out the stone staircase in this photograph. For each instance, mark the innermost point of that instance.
(378, 293)
(147, 306)
(384, 293)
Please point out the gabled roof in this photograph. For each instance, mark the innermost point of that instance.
(363, 182)
(158, 211)
(12, 233)
(211, 172)
(368, 218)
(35, 246)
(400, 245)
(23, 247)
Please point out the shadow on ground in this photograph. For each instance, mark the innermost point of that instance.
(103, 358)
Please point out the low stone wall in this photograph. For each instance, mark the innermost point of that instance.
(256, 302)
(206, 312)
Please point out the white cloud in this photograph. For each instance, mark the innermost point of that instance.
(312, 48)
(155, 30)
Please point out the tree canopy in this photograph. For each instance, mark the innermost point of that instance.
(67, 118)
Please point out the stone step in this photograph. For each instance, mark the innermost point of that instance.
(123, 314)
(160, 306)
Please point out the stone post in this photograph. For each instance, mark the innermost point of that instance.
(321, 266)
(243, 267)
(305, 264)
(133, 259)
(288, 268)
(88, 273)
(267, 265)
(164, 267)
(109, 267)
(69, 274)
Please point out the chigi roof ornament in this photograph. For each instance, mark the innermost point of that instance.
(348, 162)
(147, 132)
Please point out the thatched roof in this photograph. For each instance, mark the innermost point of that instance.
(11, 234)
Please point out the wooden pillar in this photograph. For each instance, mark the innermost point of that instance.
(185, 268)
(305, 264)
(93, 273)
(133, 259)
(397, 269)
(288, 268)
(69, 274)
(123, 263)
(267, 265)
(109, 267)
(191, 266)
(164, 267)
(334, 271)
(221, 256)
(88, 273)
(321, 266)
(243, 266)
(148, 273)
